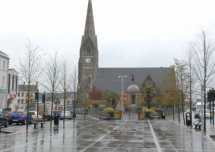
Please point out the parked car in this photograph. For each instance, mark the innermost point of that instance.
(68, 115)
(3, 120)
(34, 115)
(207, 114)
(198, 114)
(6, 113)
(17, 117)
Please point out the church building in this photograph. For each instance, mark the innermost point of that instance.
(109, 79)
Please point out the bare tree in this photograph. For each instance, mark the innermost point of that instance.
(65, 84)
(170, 91)
(204, 64)
(75, 88)
(52, 76)
(181, 82)
(191, 78)
(30, 68)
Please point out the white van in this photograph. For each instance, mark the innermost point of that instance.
(34, 115)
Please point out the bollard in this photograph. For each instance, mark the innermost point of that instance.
(35, 125)
(41, 124)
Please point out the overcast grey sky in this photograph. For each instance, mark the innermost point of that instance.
(131, 33)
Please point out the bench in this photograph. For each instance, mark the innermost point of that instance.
(35, 122)
(197, 124)
(155, 117)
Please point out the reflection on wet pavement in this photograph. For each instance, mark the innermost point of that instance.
(106, 136)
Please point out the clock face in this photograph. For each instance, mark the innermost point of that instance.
(87, 60)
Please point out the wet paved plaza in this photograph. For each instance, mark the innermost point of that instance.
(106, 136)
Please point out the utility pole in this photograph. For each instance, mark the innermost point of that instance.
(74, 114)
(37, 98)
(44, 106)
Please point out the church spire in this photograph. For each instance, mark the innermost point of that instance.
(89, 25)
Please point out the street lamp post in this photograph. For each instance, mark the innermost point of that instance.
(76, 97)
(74, 114)
(122, 77)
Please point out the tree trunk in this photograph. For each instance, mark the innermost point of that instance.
(179, 119)
(148, 104)
(64, 108)
(173, 112)
(52, 107)
(191, 115)
(182, 96)
(28, 99)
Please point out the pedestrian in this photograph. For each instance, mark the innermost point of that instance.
(56, 119)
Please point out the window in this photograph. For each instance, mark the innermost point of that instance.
(4, 65)
(8, 83)
(13, 82)
(3, 79)
(133, 99)
(18, 94)
(22, 94)
(87, 51)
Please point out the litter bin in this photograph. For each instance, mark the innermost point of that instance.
(74, 115)
(188, 118)
(56, 119)
(162, 115)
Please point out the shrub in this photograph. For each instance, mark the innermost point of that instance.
(158, 109)
(150, 112)
(109, 111)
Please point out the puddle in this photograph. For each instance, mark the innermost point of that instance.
(5, 132)
(213, 137)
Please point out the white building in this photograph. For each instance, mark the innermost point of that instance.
(4, 65)
(12, 88)
(22, 96)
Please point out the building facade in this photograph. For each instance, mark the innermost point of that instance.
(22, 96)
(4, 66)
(12, 88)
(88, 61)
(110, 79)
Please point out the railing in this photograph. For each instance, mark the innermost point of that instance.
(94, 113)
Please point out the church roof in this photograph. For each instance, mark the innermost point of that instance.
(107, 78)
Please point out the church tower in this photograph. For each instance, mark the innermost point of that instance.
(88, 60)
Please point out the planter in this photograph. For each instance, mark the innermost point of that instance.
(118, 115)
(141, 115)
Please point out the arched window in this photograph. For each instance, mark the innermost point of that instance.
(88, 51)
(133, 99)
